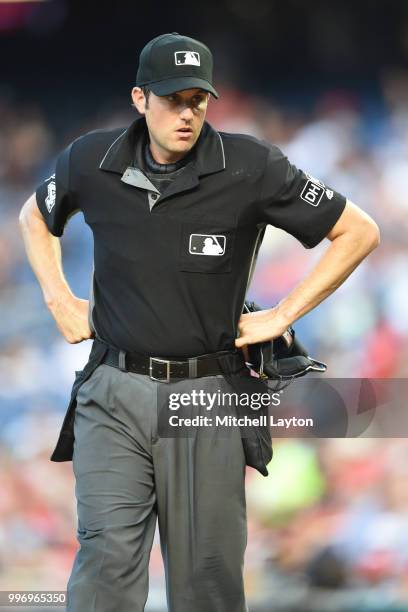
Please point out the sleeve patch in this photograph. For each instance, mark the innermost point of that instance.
(313, 191)
(51, 197)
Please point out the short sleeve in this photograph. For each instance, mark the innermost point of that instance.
(55, 196)
(297, 202)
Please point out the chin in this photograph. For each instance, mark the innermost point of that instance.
(183, 147)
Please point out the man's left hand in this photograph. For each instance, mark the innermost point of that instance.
(260, 327)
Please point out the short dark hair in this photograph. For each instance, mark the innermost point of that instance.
(146, 92)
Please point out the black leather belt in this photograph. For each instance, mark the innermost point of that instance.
(165, 370)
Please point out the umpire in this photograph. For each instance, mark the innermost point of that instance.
(178, 212)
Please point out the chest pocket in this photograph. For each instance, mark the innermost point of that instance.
(207, 247)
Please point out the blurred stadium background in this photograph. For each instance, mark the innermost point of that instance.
(328, 83)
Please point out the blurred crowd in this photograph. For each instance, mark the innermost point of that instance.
(328, 527)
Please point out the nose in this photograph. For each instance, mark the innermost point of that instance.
(187, 113)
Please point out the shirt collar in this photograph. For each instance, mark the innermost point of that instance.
(210, 157)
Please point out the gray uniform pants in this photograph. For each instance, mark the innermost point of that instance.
(127, 477)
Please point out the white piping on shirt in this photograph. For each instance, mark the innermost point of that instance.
(114, 142)
(222, 149)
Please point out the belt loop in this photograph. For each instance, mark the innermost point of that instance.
(122, 361)
(192, 368)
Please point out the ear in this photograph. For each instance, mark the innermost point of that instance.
(139, 100)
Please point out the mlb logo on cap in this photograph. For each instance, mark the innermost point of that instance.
(172, 62)
(187, 58)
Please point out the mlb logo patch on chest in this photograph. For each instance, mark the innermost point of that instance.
(207, 244)
(312, 193)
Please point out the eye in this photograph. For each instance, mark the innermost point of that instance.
(197, 100)
(171, 98)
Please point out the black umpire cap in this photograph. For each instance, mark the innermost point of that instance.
(172, 62)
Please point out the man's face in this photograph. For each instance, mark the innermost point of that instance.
(174, 121)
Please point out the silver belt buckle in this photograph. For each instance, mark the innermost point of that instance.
(167, 362)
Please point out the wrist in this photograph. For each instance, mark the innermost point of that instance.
(281, 317)
(55, 298)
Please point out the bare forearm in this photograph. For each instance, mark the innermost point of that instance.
(342, 257)
(44, 254)
(337, 263)
(353, 237)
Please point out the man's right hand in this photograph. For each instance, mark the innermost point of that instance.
(71, 317)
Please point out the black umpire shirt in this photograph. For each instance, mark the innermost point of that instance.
(171, 269)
